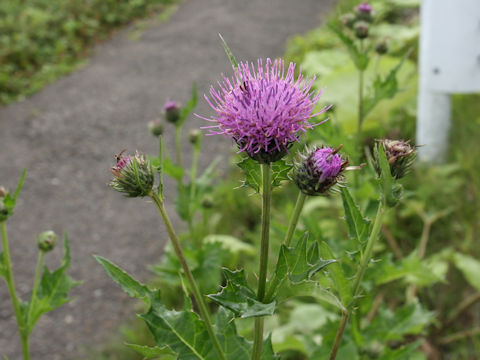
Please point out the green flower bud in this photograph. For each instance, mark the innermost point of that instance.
(133, 175)
(400, 156)
(348, 20)
(156, 127)
(194, 136)
(3, 192)
(47, 240)
(4, 211)
(172, 111)
(207, 202)
(361, 29)
(382, 47)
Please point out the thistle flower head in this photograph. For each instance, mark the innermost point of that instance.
(133, 175)
(400, 156)
(364, 8)
(47, 240)
(263, 109)
(172, 111)
(319, 170)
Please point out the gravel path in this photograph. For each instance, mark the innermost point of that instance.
(66, 136)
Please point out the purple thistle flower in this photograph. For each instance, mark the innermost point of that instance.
(170, 105)
(364, 8)
(319, 170)
(133, 175)
(263, 109)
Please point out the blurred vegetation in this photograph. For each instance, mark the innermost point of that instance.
(41, 40)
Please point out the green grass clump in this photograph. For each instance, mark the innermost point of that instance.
(43, 39)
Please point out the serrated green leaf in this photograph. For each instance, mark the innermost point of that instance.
(235, 347)
(150, 352)
(390, 190)
(403, 353)
(9, 201)
(360, 59)
(127, 283)
(172, 170)
(280, 170)
(383, 88)
(253, 174)
(300, 262)
(189, 107)
(267, 350)
(470, 267)
(52, 290)
(182, 331)
(337, 277)
(358, 226)
(238, 297)
(229, 53)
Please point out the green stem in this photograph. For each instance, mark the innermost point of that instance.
(13, 294)
(262, 277)
(204, 313)
(292, 225)
(178, 143)
(367, 256)
(33, 298)
(193, 183)
(360, 106)
(160, 158)
(338, 337)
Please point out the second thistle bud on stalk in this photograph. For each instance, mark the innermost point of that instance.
(319, 170)
(133, 175)
(400, 156)
(172, 111)
(361, 29)
(195, 137)
(156, 127)
(47, 240)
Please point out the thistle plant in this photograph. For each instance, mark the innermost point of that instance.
(50, 289)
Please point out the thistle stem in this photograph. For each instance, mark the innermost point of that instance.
(178, 144)
(13, 294)
(262, 278)
(193, 183)
(33, 298)
(292, 225)
(204, 313)
(367, 256)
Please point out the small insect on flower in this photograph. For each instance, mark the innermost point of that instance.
(264, 110)
(133, 175)
(319, 170)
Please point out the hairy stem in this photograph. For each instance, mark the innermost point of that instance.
(262, 279)
(13, 293)
(366, 257)
(292, 225)
(33, 298)
(204, 313)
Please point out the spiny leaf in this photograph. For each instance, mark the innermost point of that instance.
(234, 346)
(253, 174)
(151, 352)
(53, 289)
(300, 263)
(357, 225)
(238, 297)
(337, 276)
(470, 268)
(128, 284)
(10, 201)
(383, 88)
(229, 53)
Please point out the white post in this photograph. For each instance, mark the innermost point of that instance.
(449, 63)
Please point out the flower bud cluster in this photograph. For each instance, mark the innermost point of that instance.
(133, 175)
(319, 170)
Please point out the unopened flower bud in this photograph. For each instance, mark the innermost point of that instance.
(156, 127)
(207, 202)
(194, 136)
(364, 12)
(4, 211)
(361, 29)
(172, 111)
(348, 20)
(3, 192)
(133, 175)
(382, 47)
(47, 240)
(400, 156)
(319, 170)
